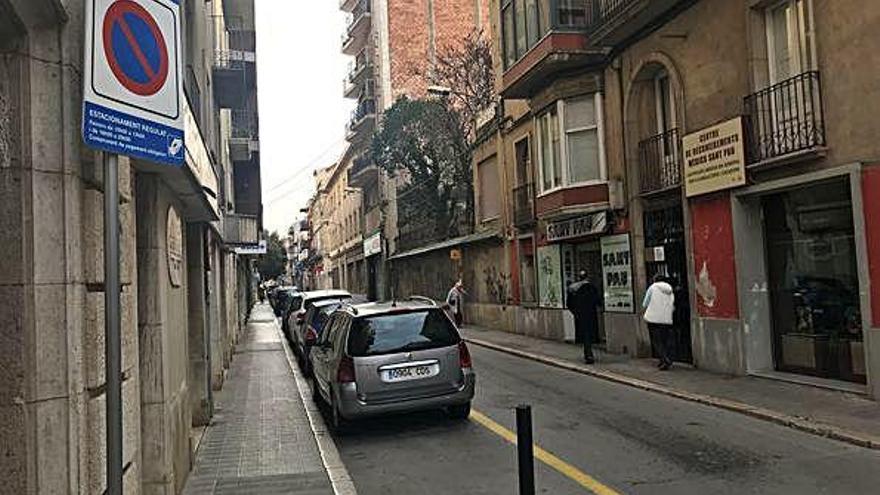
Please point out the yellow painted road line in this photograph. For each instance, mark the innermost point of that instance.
(566, 469)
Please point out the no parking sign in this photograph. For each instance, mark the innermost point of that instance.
(132, 95)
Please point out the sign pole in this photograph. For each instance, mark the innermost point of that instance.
(112, 341)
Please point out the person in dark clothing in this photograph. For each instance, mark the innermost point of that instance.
(584, 302)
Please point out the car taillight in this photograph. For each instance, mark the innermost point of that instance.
(345, 372)
(464, 355)
(311, 336)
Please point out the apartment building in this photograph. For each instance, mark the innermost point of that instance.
(393, 44)
(723, 144)
(186, 284)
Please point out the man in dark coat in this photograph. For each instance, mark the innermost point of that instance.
(584, 302)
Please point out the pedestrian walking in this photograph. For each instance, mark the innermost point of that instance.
(455, 300)
(659, 306)
(583, 302)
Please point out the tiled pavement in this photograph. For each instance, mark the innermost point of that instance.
(260, 441)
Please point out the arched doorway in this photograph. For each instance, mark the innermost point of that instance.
(654, 114)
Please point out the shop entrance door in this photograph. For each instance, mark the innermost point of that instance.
(585, 256)
(666, 254)
(813, 282)
(372, 278)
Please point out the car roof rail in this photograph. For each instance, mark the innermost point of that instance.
(426, 300)
(349, 306)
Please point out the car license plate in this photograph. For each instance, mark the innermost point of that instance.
(411, 373)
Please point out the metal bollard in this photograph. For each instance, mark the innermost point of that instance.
(524, 449)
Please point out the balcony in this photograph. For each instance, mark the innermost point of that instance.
(245, 139)
(358, 29)
(660, 163)
(786, 120)
(555, 42)
(358, 73)
(347, 5)
(234, 77)
(524, 205)
(363, 118)
(241, 230)
(613, 22)
(363, 172)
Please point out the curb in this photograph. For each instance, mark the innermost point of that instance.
(794, 422)
(340, 479)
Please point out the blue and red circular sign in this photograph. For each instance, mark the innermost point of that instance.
(135, 48)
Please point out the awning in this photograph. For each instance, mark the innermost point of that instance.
(458, 241)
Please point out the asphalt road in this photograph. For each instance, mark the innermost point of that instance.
(599, 435)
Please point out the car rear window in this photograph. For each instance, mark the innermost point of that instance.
(401, 332)
(295, 303)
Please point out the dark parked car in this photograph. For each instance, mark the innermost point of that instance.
(280, 297)
(309, 332)
(382, 358)
(295, 314)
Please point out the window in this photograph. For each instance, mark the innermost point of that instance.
(789, 40)
(522, 26)
(519, 12)
(523, 162)
(487, 174)
(581, 134)
(572, 13)
(571, 147)
(548, 128)
(528, 283)
(402, 332)
(509, 33)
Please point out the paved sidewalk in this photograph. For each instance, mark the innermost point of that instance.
(260, 439)
(845, 416)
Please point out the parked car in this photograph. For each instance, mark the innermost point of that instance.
(309, 332)
(295, 314)
(280, 297)
(382, 358)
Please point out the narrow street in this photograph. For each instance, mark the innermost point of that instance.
(628, 440)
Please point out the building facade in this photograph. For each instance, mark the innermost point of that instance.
(186, 290)
(394, 44)
(722, 144)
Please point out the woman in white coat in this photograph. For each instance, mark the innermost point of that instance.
(659, 305)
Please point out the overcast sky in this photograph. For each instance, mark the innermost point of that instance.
(302, 110)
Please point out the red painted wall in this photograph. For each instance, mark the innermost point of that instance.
(871, 202)
(715, 287)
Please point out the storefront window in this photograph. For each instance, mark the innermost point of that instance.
(550, 289)
(527, 281)
(814, 282)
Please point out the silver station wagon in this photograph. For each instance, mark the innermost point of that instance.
(397, 357)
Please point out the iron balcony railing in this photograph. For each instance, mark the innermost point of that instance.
(524, 205)
(362, 9)
(660, 162)
(360, 63)
(785, 118)
(360, 164)
(244, 124)
(603, 11)
(241, 229)
(364, 109)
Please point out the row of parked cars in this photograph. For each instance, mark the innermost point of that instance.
(374, 359)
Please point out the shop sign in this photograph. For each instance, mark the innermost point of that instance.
(714, 158)
(550, 276)
(617, 274)
(373, 244)
(174, 247)
(251, 249)
(577, 227)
